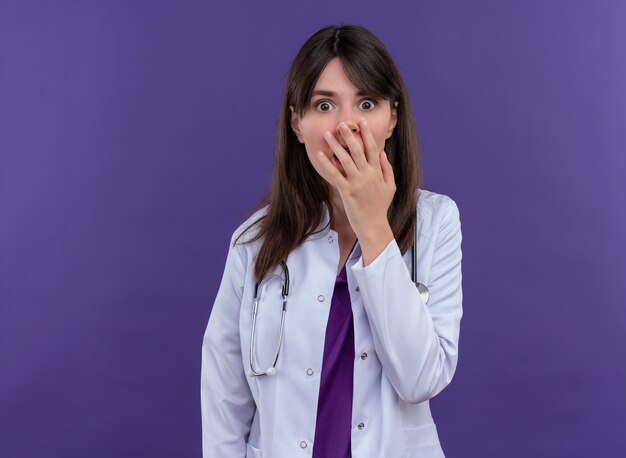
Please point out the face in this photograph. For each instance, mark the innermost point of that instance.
(336, 100)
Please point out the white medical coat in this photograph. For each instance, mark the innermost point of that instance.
(405, 350)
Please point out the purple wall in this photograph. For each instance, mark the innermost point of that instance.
(124, 125)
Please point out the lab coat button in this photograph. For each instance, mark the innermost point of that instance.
(320, 298)
(330, 239)
(310, 372)
(363, 356)
(303, 444)
(361, 426)
(358, 289)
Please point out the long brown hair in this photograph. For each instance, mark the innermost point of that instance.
(294, 201)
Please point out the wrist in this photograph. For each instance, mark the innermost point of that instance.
(374, 240)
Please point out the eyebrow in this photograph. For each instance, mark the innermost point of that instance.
(334, 94)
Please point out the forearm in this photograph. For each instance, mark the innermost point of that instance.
(417, 343)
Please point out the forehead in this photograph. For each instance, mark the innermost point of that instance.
(334, 78)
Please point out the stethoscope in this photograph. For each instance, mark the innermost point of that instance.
(422, 288)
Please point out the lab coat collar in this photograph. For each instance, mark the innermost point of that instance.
(323, 230)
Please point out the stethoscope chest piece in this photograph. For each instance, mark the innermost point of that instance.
(423, 290)
(421, 287)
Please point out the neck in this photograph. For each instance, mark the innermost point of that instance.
(339, 222)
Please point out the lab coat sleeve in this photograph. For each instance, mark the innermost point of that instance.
(226, 400)
(417, 343)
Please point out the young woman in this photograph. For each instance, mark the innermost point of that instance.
(338, 314)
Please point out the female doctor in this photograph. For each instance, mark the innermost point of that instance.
(338, 314)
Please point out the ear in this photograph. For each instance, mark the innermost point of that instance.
(393, 120)
(295, 124)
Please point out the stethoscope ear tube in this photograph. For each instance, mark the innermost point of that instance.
(285, 293)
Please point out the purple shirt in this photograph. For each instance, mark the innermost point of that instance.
(334, 411)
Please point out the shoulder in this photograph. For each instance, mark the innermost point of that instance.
(433, 201)
(241, 252)
(249, 228)
(434, 210)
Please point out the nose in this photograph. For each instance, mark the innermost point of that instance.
(352, 125)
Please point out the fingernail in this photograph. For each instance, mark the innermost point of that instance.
(328, 134)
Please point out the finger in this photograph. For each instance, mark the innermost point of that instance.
(371, 149)
(387, 170)
(346, 161)
(356, 150)
(330, 172)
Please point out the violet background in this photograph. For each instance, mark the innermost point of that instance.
(136, 135)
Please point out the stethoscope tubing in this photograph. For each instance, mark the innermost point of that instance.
(422, 289)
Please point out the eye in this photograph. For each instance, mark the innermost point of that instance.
(367, 104)
(323, 106)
